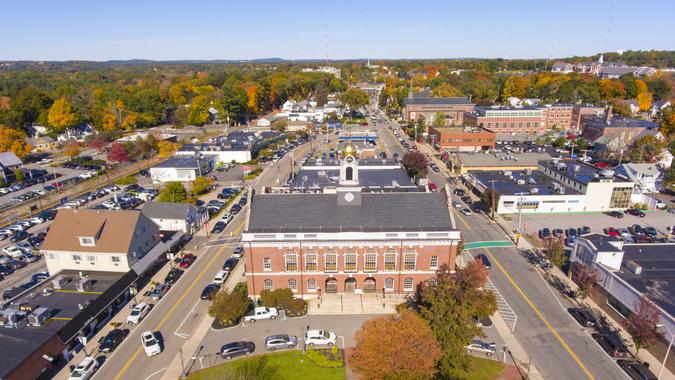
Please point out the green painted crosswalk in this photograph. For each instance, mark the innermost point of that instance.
(488, 244)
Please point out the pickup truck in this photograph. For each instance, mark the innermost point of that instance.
(261, 313)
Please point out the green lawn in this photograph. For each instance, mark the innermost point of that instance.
(483, 369)
(291, 365)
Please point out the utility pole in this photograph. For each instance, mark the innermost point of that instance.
(492, 196)
(520, 216)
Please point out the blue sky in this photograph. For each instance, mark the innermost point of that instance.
(337, 29)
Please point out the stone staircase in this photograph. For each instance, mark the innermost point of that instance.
(351, 303)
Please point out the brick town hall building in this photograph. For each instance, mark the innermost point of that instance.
(347, 240)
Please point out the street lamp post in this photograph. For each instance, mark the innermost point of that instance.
(520, 216)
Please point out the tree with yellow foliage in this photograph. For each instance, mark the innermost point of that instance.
(644, 100)
(72, 149)
(12, 140)
(167, 148)
(61, 115)
(515, 86)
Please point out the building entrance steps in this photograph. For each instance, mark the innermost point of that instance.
(353, 303)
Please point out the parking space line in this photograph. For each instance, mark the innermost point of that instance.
(541, 316)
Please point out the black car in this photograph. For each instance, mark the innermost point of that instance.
(6, 270)
(48, 215)
(612, 345)
(173, 276)
(112, 340)
(582, 316)
(243, 201)
(636, 212)
(35, 241)
(210, 291)
(235, 209)
(18, 236)
(615, 214)
(545, 233)
(484, 259)
(218, 227)
(16, 264)
(230, 264)
(233, 349)
(40, 276)
(585, 230)
(636, 370)
(636, 229)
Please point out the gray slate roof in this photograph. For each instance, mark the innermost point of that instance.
(167, 210)
(300, 212)
(437, 101)
(8, 159)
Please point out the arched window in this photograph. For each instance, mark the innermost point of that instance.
(389, 284)
(311, 263)
(292, 284)
(408, 284)
(267, 284)
(331, 261)
(311, 285)
(291, 261)
(350, 261)
(349, 173)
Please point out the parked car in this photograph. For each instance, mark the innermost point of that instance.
(18, 236)
(261, 313)
(641, 238)
(220, 277)
(636, 370)
(187, 260)
(210, 291)
(218, 227)
(558, 232)
(635, 229)
(466, 212)
(612, 345)
(482, 347)
(585, 230)
(544, 233)
(636, 212)
(274, 342)
(615, 214)
(571, 232)
(150, 344)
(457, 204)
(230, 264)
(173, 276)
(651, 232)
(582, 316)
(85, 370)
(484, 260)
(320, 337)
(109, 342)
(231, 350)
(159, 291)
(611, 231)
(238, 252)
(138, 313)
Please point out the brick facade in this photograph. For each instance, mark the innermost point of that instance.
(267, 267)
(530, 121)
(462, 139)
(559, 116)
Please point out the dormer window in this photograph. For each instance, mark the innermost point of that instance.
(87, 241)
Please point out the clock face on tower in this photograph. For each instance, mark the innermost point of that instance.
(349, 159)
(349, 197)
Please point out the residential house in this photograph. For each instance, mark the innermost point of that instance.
(9, 162)
(42, 143)
(632, 104)
(263, 122)
(176, 216)
(615, 72)
(658, 106)
(76, 133)
(613, 134)
(647, 177)
(562, 67)
(37, 130)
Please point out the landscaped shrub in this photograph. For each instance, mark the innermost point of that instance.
(278, 298)
(296, 307)
(327, 358)
(128, 180)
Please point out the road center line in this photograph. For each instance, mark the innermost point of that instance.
(529, 302)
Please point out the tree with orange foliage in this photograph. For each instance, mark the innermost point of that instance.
(15, 141)
(644, 100)
(395, 347)
(612, 89)
(252, 98)
(72, 149)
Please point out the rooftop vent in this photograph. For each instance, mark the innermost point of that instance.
(634, 267)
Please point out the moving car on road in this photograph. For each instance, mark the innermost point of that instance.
(150, 343)
(484, 260)
(234, 349)
(467, 212)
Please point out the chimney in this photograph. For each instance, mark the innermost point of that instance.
(608, 115)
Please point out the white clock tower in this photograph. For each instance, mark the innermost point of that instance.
(349, 166)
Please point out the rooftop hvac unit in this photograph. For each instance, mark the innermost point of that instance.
(528, 171)
(634, 267)
(561, 190)
(508, 173)
(59, 282)
(577, 168)
(83, 285)
(534, 190)
(521, 181)
(38, 316)
(562, 166)
(532, 181)
(607, 173)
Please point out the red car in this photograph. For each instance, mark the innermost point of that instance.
(187, 260)
(611, 231)
(57, 184)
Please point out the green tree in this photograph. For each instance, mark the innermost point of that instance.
(18, 173)
(490, 200)
(555, 251)
(228, 307)
(659, 88)
(201, 185)
(646, 149)
(439, 119)
(354, 98)
(450, 305)
(199, 111)
(173, 192)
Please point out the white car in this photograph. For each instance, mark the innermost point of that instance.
(226, 218)
(138, 313)
(36, 220)
(457, 205)
(320, 337)
(220, 277)
(17, 227)
(150, 343)
(13, 251)
(261, 313)
(466, 212)
(85, 370)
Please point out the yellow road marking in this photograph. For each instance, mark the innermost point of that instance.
(461, 219)
(60, 319)
(175, 305)
(529, 302)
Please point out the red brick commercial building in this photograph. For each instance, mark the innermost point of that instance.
(559, 116)
(461, 139)
(428, 107)
(531, 120)
(348, 241)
